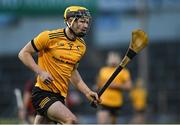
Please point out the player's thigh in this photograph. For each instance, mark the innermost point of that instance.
(59, 112)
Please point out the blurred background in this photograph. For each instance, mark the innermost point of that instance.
(158, 65)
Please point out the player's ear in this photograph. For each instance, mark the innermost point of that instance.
(70, 20)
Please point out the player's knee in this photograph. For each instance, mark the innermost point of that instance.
(71, 120)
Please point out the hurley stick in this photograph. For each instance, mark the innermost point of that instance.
(139, 42)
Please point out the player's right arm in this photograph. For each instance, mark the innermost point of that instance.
(25, 55)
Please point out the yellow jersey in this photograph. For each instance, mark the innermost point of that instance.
(138, 96)
(112, 97)
(59, 56)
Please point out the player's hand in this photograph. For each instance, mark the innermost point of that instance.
(93, 97)
(46, 77)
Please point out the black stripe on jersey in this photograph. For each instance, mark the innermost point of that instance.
(57, 33)
(54, 34)
(33, 45)
(82, 41)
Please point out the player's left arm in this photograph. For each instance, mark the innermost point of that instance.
(77, 81)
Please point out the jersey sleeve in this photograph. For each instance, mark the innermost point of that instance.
(41, 41)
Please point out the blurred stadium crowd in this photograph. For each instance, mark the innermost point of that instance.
(158, 65)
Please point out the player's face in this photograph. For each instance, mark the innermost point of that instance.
(113, 59)
(81, 26)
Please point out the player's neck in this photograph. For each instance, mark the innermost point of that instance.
(70, 35)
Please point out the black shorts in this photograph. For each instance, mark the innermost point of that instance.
(112, 110)
(42, 100)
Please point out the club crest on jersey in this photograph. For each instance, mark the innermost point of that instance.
(70, 45)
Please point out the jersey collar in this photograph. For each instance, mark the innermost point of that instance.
(67, 36)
